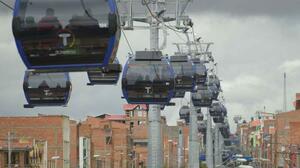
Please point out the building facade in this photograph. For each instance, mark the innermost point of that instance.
(42, 141)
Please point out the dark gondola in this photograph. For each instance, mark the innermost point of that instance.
(46, 89)
(227, 142)
(148, 79)
(214, 85)
(108, 75)
(66, 35)
(200, 115)
(217, 109)
(218, 119)
(225, 132)
(184, 75)
(200, 72)
(214, 90)
(224, 127)
(213, 79)
(203, 97)
(202, 127)
(184, 114)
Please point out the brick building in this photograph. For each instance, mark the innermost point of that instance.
(138, 126)
(37, 141)
(104, 141)
(275, 140)
(109, 140)
(283, 143)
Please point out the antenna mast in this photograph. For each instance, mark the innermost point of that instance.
(284, 92)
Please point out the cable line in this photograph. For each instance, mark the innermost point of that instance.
(127, 41)
(6, 5)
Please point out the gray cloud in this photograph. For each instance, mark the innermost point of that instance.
(276, 8)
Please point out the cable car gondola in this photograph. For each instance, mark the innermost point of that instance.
(46, 89)
(224, 127)
(66, 35)
(214, 85)
(202, 127)
(214, 90)
(184, 75)
(108, 75)
(184, 114)
(219, 119)
(203, 97)
(200, 71)
(200, 115)
(148, 79)
(217, 109)
(225, 132)
(213, 79)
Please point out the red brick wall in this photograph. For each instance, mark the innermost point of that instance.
(94, 128)
(46, 128)
(295, 129)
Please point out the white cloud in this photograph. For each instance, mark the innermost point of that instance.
(290, 66)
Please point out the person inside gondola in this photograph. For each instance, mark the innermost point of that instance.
(58, 86)
(84, 25)
(44, 85)
(49, 21)
(48, 28)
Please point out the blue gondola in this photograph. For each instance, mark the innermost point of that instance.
(184, 75)
(202, 127)
(224, 127)
(217, 109)
(184, 114)
(108, 75)
(214, 90)
(148, 78)
(200, 71)
(213, 79)
(214, 85)
(66, 35)
(200, 115)
(46, 89)
(203, 97)
(219, 118)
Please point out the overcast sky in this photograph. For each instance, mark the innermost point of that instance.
(255, 42)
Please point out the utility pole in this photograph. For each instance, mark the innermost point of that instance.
(209, 144)
(284, 93)
(217, 146)
(221, 146)
(276, 141)
(193, 138)
(9, 149)
(180, 149)
(155, 156)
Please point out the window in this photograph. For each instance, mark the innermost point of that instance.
(26, 158)
(131, 124)
(15, 159)
(131, 113)
(108, 140)
(140, 113)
